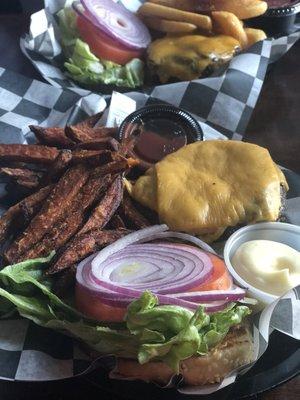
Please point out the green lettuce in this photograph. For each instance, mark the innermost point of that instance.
(149, 331)
(68, 29)
(84, 67)
(175, 332)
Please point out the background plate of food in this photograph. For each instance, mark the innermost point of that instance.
(160, 52)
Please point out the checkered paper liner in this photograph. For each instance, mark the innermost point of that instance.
(25, 101)
(225, 100)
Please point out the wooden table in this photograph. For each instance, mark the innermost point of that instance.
(274, 124)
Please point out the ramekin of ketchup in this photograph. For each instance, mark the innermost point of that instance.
(160, 130)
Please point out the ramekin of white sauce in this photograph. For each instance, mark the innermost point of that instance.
(265, 259)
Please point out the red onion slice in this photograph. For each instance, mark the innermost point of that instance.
(186, 238)
(196, 269)
(175, 264)
(78, 8)
(234, 294)
(209, 307)
(126, 241)
(124, 270)
(118, 22)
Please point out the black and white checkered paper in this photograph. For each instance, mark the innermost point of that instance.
(25, 101)
(225, 101)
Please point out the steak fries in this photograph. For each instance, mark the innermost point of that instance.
(74, 178)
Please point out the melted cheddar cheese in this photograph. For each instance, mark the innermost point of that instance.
(186, 57)
(205, 187)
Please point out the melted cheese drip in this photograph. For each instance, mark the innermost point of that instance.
(207, 186)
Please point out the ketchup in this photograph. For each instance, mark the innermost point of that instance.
(159, 138)
(160, 130)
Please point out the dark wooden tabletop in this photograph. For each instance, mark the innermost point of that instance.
(274, 124)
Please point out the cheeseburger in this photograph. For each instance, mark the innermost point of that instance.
(206, 187)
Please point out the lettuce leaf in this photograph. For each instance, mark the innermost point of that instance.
(183, 333)
(84, 67)
(24, 286)
(68, 30)
(149, 332)
(219, 325)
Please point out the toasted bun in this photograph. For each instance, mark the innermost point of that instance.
(234, 351)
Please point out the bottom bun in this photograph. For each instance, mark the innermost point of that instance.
(234, 351)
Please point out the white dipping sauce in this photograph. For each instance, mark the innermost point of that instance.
(269, 266)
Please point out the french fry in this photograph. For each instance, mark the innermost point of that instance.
(29, 184)
(56, 205)
(82, 246)
(93, 189)
(254, 35)
(164, 25)
(185, 5)
(85, 134)
(20, 173)
(54, 137)
(127, 145)
(115, 167)
(89, 121)
(91, 157)
(255, 9)
(228, 24)
(55, 238)
(30, 153)
(243, 9)
(103, 212)
(156, 10)
(99, 144)
(58, 167)
(132, 214)
(30, 205)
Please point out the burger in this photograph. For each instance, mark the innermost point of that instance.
(103, 43)
(162, 309)
(189, 57)
(206, 187)
(187, 320)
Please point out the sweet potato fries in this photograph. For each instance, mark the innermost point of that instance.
(73, 196)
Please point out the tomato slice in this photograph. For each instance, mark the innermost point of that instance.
(220, 279)
(94, 308)
(103, 46)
